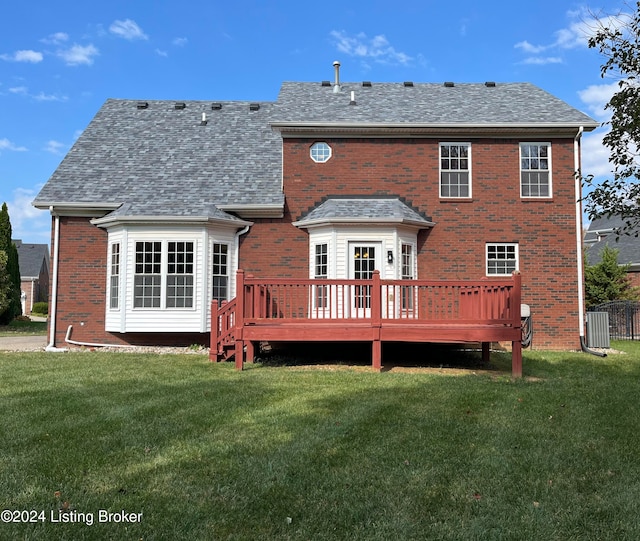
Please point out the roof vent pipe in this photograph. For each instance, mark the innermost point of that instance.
(336, 84)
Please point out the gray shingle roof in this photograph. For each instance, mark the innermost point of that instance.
(363, 209)
(31, 258)
(628, 246)
(161, 158)
(426, 103)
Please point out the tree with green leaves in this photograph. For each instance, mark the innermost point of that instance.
(618, 39)
(608, 280)
(12, 269)
(5, 283)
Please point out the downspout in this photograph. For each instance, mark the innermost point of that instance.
(244, 230)
(54, 286)
(578, 188)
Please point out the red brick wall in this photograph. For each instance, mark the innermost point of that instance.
(455, 247)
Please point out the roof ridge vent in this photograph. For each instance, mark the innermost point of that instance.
(179, 105)
(449, 84)
(142, 105)
(490, 84)
(408, 83)
(325, 83)
(216, 106)
(366, 84)
(254, 106)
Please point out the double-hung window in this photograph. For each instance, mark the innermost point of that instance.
(220, 272)
(455, 170)
(179, 274)
(167, 266)
(502, 259)
(114, 277)
(320, 271)
(535, 169)
(147, 281)
(407, 274)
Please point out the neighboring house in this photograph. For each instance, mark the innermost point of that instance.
(604, 232)
(34, 273)
(158, 203)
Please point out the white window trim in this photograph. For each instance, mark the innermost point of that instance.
(549, 157)
(111, 275)
(486, 257)
(315, 145)
(440, 171)
(164, 258)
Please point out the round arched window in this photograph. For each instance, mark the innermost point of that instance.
(320, 152)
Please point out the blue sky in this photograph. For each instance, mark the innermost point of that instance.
(59, 61)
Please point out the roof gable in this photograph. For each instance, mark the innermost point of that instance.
(31, 257)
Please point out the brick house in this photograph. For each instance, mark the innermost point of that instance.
(158, 203)
(34, 274)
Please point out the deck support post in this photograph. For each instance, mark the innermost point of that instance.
(376, 321)
(214, 354)
(516, 359)
(251, 351)
(240, 305)
(486, 352)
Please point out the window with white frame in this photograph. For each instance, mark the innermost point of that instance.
(220, 287)
(147, 281)
(455, 170)
(320, 152)
(535, 169)
(407, 274)
(321, 271)
(114, 277)
(180, 274)
(502, 259)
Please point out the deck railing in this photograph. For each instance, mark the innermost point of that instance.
(489, 301)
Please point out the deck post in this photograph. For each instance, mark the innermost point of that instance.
(215, 333)
(516, 359)
(251, 351)
(240, 304)
(376, 322)
(486, 352)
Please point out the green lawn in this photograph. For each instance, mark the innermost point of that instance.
(17, 328)
(282, 452)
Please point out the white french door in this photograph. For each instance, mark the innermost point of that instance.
(364, 258)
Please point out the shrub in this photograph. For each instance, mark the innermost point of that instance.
(40, 308)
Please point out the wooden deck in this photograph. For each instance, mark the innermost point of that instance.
(376, 311)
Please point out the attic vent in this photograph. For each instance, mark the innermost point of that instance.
(408, 83)
(449, 84)
(254, 106)
(366, 83)
(326, 83)
(490, 84)
(216, 106)
(142, 105)
(179, 105)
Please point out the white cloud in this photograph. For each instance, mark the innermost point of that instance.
(56, 39)
(54, 147)
(179, 42)
(377, 48)
(18, 90)
(23, 56)
(41, 96)
(5, 144)
(540, 61)
(162, 53)
(531, 49)
(596, 97)
(77, 55)
(27, 222)
(127, 29)
(595, 156)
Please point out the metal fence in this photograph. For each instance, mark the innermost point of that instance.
(624, 319)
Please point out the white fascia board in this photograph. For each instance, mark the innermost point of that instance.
(362, 221)
(109, 221)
